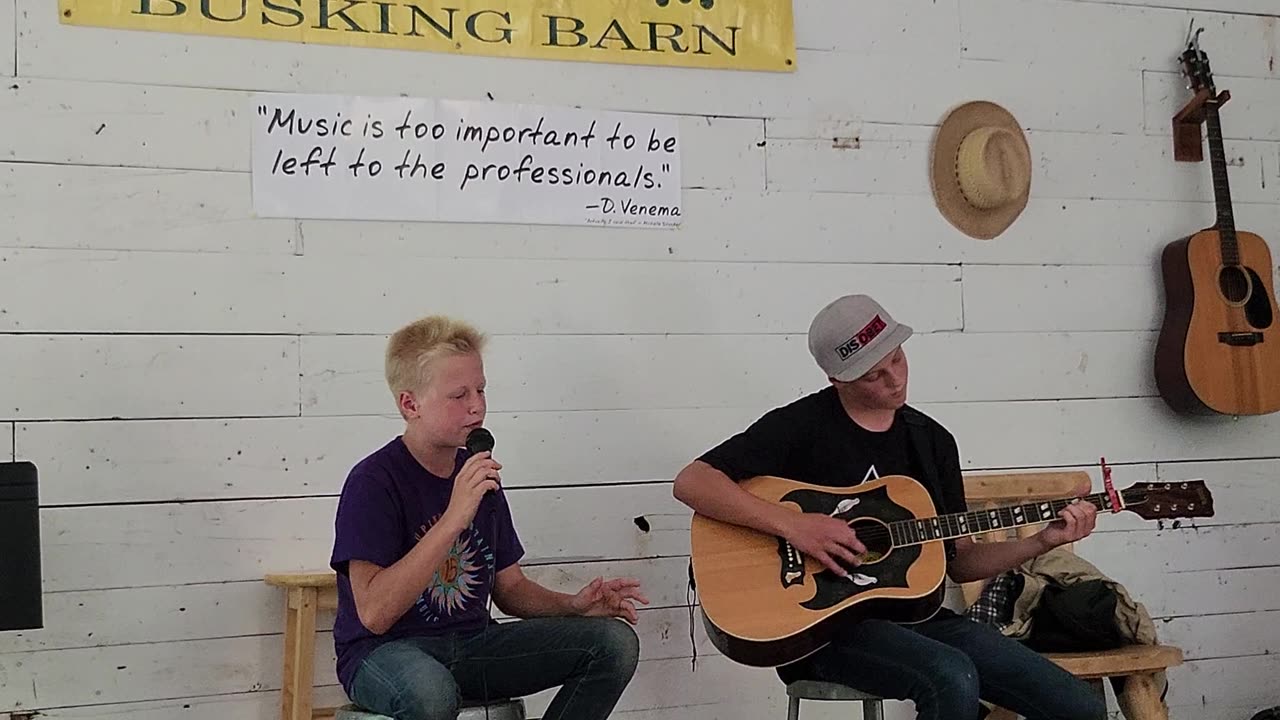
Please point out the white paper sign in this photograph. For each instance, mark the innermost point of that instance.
(368, 158)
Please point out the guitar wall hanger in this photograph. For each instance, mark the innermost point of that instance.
(1187, 145)
(1187, 122)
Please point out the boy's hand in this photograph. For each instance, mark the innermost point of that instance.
(610, 598)
(828, 540)
(479, 475)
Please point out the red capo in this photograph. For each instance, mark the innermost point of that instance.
(1111, 490)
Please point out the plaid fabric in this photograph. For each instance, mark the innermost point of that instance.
(995, 605)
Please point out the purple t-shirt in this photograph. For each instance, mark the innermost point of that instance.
(388, 503)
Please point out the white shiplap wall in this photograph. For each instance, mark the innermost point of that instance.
(194, 382)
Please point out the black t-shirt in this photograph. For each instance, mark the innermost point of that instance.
(814, 440)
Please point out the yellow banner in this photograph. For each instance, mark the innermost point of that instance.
(719, 34)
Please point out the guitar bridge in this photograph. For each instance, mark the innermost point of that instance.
(791, 571)
(1240, 339)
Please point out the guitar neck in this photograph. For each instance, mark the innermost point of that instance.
(976, 522)
(1221, 189)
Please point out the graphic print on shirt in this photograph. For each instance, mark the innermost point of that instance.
(871, 474)
(459, 580)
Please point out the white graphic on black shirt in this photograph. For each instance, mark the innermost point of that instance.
(871, 474)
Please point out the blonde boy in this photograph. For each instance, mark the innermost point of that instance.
(424, 537)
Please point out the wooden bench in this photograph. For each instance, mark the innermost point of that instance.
(306, 593)
(1138, 664)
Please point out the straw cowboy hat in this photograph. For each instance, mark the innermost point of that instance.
(980, 169)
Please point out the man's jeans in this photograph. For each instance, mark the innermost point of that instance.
(945, 665)
(429, 678)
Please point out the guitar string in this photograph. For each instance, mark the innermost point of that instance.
(975, 519)
(979, 520)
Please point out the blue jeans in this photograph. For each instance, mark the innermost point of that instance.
(945, 665)
(429, 678)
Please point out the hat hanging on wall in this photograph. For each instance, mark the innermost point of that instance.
(980, 169)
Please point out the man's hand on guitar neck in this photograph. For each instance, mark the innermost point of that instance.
(825, 539)
(1077, 521)
(979, 561)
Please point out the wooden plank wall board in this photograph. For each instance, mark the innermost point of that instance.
(113, 461)
(8, 40)
(265, 294)
(164, 613)
(102, 546)
(817, 226)
(195, 382)
(247, 664)
(343, 375)
(1146, 38)
(114, 376)
(1250, 7)
(117, 461)
(116, 208)
(1063, 163)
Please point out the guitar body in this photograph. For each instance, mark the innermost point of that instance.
(765, 604)
(1219, 346)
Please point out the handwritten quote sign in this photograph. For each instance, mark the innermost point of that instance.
(338, 157)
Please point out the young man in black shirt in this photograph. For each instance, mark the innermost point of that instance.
(857, 429)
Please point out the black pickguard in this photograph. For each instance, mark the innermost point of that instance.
(1258, 308)
(890, 570)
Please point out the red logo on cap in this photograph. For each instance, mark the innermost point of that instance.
(873, 328)
(862, 338)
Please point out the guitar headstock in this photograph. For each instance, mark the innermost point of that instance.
(1169, 500)
(1195, 65)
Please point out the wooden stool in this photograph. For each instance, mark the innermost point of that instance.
(505, 709)
(872, 706)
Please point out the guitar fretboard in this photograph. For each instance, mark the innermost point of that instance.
(975, 522)
(1221, 190)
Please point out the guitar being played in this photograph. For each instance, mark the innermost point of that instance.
(767, 603)
(823, 533)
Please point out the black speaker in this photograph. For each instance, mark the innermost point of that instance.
(21, 604)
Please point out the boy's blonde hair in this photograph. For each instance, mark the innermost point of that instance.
(414, 347)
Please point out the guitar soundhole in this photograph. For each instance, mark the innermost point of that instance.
(1234, 284)
(875, 535)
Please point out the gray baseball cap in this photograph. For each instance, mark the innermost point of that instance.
(851, 334)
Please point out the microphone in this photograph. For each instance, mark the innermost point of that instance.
(479, 440)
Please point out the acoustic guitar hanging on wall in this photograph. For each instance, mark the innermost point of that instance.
(1219, 346)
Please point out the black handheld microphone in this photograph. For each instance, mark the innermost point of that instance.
(479, 440)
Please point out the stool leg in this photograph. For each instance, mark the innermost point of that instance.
(872, 710)
(299, 654)
(793, 708)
